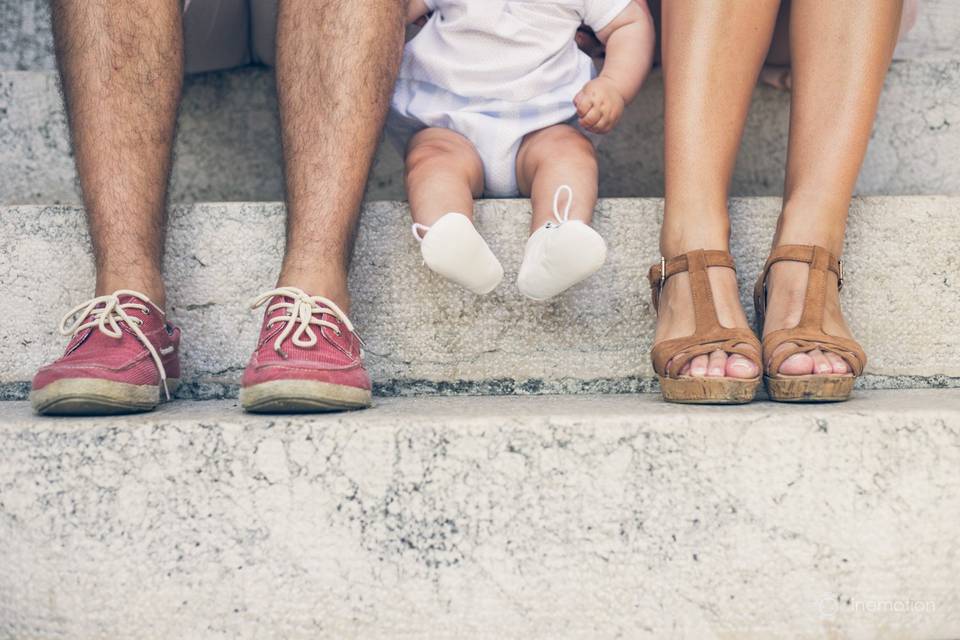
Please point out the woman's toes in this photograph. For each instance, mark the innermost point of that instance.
(820, 362)
(717, 364)
(797, 365)
(698, 366)
(740, 367)
(838, 364)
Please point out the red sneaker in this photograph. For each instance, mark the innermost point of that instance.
(123, 358)
(309, 358)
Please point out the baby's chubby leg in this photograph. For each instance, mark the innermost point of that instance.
(552, 157)
(557, 168)
(444, 174)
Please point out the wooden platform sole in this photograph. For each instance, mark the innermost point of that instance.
(811, 388)
(706, 390)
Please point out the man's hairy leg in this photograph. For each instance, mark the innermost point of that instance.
(121, 65)
(336, 66)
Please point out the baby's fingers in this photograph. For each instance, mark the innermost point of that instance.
(592, 117)
(583, 103)
(604, 126)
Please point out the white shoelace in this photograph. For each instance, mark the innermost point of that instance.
(107, 320)
(416, 227)
(556, 205)
(300, 317)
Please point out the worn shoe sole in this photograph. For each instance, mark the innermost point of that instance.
(302, 396)
(810, 388)
(707, 390)
(96, 397)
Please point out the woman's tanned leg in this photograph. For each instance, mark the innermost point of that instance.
(712, 53)
(840, 51)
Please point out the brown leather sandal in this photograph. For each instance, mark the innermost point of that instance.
(670, 356)
(808, 334)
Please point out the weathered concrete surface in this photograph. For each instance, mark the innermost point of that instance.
(936, 35)
(228, 147)
(577, 517)
(425, 335)
(26, 42)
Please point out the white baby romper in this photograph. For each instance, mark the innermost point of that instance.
(494, 71)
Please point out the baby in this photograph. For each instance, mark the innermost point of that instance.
(495, 98)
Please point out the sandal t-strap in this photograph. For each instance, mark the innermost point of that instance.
(670, 356)
(808, 334)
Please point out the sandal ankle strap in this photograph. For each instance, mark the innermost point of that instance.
(817, 257)
(661, 272)
(669, 356)
(808, 334)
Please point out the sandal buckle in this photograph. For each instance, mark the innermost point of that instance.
(840, 275)
(663, 272)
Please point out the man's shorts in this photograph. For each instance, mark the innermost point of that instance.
(221, 34)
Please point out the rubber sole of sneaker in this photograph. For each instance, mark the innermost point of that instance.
(95, 397)
(302, 396)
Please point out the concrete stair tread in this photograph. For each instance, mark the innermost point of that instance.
(574, 517)
(427, 336)
(228, 146)
(538, 412)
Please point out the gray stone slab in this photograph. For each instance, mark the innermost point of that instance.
(26, 42)
(425, 335)
(577, 517)
(228, 147)
(936, 34)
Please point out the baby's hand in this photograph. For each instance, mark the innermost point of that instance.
(599, 105)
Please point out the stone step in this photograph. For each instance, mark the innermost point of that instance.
(573, 517)
(424, 335)
(228, 146)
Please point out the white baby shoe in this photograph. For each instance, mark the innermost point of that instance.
(453, 248)
(559, 255)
